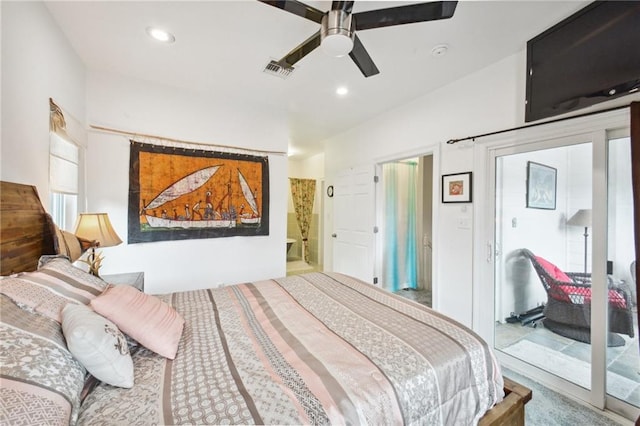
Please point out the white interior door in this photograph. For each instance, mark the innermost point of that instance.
(353, 212)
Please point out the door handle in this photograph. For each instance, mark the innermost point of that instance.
(334, 235)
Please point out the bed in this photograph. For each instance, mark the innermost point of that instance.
(320, 348)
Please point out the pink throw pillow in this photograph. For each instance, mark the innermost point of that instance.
(150, 321)
(553, 270)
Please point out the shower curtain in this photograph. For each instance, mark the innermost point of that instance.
(303, 192)
(400, 190)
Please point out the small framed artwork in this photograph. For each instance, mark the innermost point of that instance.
(456, 188)
(541, 186)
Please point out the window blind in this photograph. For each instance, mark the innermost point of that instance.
(63, 165)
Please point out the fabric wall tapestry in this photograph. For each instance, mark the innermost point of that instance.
(184, 193)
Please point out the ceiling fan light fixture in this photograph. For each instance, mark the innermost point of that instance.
(337, 45)
(337, 33)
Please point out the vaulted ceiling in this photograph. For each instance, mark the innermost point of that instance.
(222, 48)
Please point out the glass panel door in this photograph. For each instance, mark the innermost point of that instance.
(543, 241)
(565, 293)
(623, 359)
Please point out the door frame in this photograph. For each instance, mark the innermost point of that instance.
(434, 151)
(584, 129)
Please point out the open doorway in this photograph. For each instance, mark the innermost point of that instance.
(405, 212)
(305, 215)
(303, 258)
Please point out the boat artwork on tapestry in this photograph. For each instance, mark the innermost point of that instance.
(248, 218)
(220, 214)
(179, 193)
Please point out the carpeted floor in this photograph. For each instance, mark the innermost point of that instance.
(549, 408)
(420, 296)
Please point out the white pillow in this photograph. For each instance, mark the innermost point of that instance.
(98, 344)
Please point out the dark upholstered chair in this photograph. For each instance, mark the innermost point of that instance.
(568, 308)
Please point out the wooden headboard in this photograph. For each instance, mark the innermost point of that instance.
(26, 230)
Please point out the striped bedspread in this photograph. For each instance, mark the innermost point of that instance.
(319, 348)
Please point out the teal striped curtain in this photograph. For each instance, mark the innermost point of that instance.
(400, 191)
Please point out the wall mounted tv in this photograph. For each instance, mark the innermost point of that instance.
(590, 57)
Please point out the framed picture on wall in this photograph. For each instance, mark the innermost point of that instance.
(456, 188)
(541, 186)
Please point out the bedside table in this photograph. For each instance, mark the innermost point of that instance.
(134, 279)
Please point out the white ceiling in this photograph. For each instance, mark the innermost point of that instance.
(222, 48)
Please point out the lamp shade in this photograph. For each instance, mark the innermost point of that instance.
(581, 218)
(97, 227)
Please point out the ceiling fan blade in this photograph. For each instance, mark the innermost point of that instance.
(362, 59)
(301, 50)
(347, 6)
(297, 8)
(404, 14)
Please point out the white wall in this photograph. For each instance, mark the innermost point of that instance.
(307, 168)
(488, 100)
(134, 105)
(481, 102)
(37, 64)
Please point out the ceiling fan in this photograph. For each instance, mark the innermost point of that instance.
(337, 35)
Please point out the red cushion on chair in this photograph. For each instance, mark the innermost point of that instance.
(576, 295)
(615, 299)
(582, 295)
(563, 293)
(553, 270)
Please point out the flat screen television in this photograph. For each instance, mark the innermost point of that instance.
(590, 57)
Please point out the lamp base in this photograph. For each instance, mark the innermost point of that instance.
(94, 260)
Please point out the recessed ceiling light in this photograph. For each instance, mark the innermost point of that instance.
(161, 35)
(342, 91)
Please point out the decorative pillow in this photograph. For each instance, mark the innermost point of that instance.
(51, 287)
(150, 321)
(68, 244)
(98, 344)
(46, 258)
(63, 268)
(553, 270)
(40, 381)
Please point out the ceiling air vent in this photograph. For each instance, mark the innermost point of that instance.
(274, 68)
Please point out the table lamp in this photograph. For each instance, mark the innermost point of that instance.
(96, 227)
